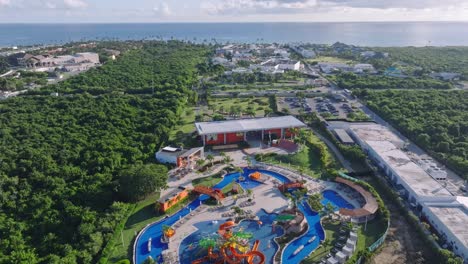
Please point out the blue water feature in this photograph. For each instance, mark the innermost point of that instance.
(154, 231)
(190, 251)
(335, 199)
(315, 229)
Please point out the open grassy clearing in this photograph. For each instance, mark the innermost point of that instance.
(329, 59)
(186, 124)
(305, 159)
(224, 105)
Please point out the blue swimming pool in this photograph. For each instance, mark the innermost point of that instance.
(315, 228)
(154, 231)
(190, 250)
(335, 199)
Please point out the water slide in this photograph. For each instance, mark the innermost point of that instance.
(235, 257)
(210, 257)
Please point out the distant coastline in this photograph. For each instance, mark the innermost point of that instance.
(358, 33)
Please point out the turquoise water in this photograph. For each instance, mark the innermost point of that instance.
(357, 33)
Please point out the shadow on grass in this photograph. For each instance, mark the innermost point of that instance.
(141, 215)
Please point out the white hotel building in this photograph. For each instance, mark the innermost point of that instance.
(446, 213)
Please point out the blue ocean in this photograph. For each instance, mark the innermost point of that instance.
(362, 33)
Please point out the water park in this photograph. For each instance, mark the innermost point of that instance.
(269, 221)
(242, 210)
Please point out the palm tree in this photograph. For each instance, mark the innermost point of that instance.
(267, 112)
(328, 209)
(315, 202)
(227, 159)
(200, 162)
(210, 157)
(249, 161)
(301, 171)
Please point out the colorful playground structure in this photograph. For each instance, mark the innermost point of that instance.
(233, 248)
(257, 176)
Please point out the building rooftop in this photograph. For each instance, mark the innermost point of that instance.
(409, 172)
(455, 218)
(343, 136)
(376, 132)
(244, 125)
(179, 152)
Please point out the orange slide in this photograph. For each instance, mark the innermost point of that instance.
(211, 256)
(224, 230)
(236, 258)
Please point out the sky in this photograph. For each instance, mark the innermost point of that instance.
(124, 11)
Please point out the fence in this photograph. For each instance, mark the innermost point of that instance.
(379, 241)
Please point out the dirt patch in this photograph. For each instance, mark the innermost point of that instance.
(402, 244)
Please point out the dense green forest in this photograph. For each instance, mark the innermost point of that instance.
(353, 81)
(164, 65)
(3, 65)
(440, 59)
(62, 158)
(436, 120)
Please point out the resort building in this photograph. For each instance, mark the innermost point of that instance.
(450, 219)
(446, 213)
(179, 156)
(172, 198)
(235, 131)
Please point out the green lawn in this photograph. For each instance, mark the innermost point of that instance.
(305, 158)
(186, 124)
(374, 231)
(225, 104)
(207, 181)
(332, 234)
(143, 215)
(329, 59)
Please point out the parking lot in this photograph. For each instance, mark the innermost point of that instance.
(327, 107)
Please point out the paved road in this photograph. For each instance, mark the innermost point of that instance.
(454, 181)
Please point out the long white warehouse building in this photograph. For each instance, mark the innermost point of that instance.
(448, 214)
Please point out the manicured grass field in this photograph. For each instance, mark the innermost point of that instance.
(329, 59)
(304, 158)
(225, 104)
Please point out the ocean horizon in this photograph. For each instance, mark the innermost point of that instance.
(379, 34)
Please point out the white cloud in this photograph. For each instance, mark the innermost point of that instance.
(50, 5)
(257, 6)
(162, 10)
(75, 3)
(4, 3)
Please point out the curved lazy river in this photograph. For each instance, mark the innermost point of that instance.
(154, 231)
